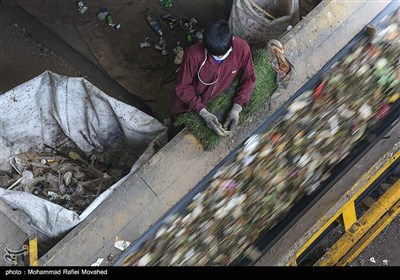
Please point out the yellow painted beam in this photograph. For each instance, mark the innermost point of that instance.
(349, 215)
(346, 214)
(361, 227)
(370, 235)
(33, 252)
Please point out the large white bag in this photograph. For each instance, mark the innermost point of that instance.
(50, 108)
(258, 21)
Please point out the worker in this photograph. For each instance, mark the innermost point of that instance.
(208, 68)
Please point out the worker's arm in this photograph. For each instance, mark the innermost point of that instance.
(248, 80)
(184, 88)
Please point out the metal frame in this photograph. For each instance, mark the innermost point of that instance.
(358, 232)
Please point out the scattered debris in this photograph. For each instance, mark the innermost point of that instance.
(178, 58)
(103, 12)
(145, 43)
(189, 25)
(178, 51)
(111, 23)
(155, 24)
(161, 46)
(82, 8)
(172, 20)
(111, 257)
(98, 262)
(166, 3)
(121, 244)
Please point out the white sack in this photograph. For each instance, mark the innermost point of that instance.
(51, 108)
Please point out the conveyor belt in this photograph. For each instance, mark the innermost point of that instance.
(268, 238)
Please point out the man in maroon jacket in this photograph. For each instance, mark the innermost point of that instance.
(208, 68)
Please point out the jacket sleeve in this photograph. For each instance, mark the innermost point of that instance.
(248, 80)
(184, 89)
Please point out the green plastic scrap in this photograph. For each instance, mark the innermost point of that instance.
(166, 3)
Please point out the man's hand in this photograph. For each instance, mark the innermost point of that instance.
(233, 118)
(212, 122)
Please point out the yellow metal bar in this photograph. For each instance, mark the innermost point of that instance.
(375, 176)
(33, 252)
(353, 253)
(349, 215)
(292, 262)
(348, 208)
(361, 227)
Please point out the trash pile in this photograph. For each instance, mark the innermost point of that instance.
(62, 176)
(188, 26)
(273, 170)
(103, 14)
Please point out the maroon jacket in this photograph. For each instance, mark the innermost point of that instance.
(191, 94)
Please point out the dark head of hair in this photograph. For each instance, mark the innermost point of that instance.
(217, 37)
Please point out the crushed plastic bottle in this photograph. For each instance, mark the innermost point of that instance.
(155, 24)
(111, 23)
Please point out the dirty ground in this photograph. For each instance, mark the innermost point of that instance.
(144, 72)
(19, 48)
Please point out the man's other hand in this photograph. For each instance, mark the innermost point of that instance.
(233, 118)
(212, 122)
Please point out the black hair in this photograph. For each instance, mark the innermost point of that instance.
(217, 37)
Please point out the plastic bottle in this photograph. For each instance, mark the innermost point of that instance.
(155, 24)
